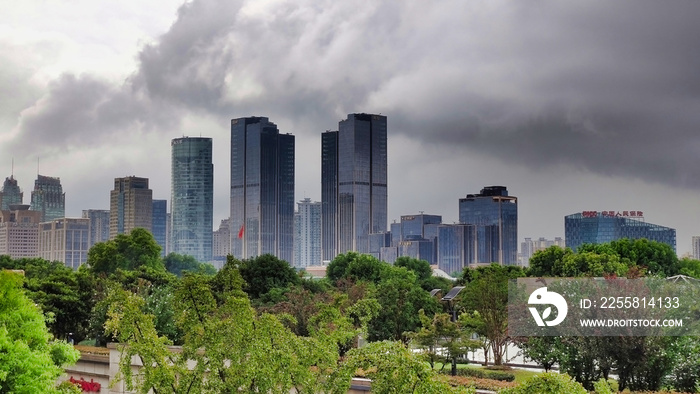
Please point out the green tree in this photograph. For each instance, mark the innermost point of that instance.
(127, 252)
(265, 273)
(400, 297)
(62, 293)
(337, 268)
(689, 267)
(592, 264)
(178, 264)
(30, 362)
(486, 293)
(393, 368)
(441, 339)
(419, 267)
(545, 351)
(227, 347)
(658, 258)
(548, 262)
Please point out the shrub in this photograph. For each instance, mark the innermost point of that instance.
(478, 373)
(547, 383)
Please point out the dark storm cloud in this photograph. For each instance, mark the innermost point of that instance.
(601, 86)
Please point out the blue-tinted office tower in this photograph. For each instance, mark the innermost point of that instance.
(10, 194)
(160, 224)
(353, 184)
(600, 227)
(192, 197)
(262, 189)
(495, 215)
(456, 245)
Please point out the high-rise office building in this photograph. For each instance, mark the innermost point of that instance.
(192, 197)
(11, 194)
(495, 215)
(262, 189)
(48, 198)
(99, 225)
(416, 237)
(354, 184)
(221, 244)
(19, 232)
(329, 194)
(307, 234)
(65, 240)
(159, 224)
(456, 247)
(131, 205)
(696, 247)
(600, 227)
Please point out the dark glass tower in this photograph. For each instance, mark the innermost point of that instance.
(329, 194)
(262, 189)
(48, 198)
(192, 197)
(354, 183)
(495, 216)
(11, 194)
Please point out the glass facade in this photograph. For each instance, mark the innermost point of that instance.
(594, 227)
(359, 186)
(262, 189)
(329, 194)
(10, 194)
(99, 225)
(159, 226)
(456, 245)
(48, 198)
(192, 198)
(495, 216)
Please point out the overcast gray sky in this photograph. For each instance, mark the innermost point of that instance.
(573, 105)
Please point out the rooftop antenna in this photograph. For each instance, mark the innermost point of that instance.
(37, 166)
(12, 174)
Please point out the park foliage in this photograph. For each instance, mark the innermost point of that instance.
(261, 325)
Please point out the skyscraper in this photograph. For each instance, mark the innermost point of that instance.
(354, 183)
(696, 247)
(10, 194)
(262, 189)
(159, 224)
(329, 194)
(495, 215)
(130, 206)
(48, 198)
(307, 234)
(192, 197)
(99, 225)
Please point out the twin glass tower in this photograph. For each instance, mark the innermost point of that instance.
(262, 189)
(353, 187)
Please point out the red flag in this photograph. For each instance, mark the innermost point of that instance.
(240, 232)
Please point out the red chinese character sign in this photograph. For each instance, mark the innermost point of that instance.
(613, 214)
